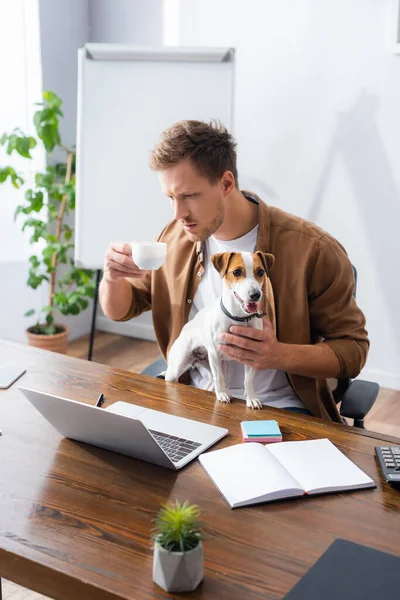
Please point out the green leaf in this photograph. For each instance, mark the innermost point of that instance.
(29, 313)
(49, 318)
(49, 137)
(3, 174)
(34, 281)
(90, 290)
(16, 180)
(83, 303)
(35, 200)
(61, 298)
(37, 119)
(34, 261)
(73, 298)
(22, 146)
(6, 172)
(73, 309)
(51, 99)
(46, 121)
(12, 140)
(61, 169)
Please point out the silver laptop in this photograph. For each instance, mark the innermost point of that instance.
(136, 431)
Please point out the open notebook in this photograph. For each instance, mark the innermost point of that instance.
(251, 472)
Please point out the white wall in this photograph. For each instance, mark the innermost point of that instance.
(317, 123)
(126, 21)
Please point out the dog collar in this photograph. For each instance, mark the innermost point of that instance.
(241, 319)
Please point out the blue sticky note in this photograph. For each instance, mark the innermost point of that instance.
(261, 428)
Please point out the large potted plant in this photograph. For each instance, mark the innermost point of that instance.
(46, 203)
(178, 562)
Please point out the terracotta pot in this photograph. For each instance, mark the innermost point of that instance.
(178, 571)
(57, 342)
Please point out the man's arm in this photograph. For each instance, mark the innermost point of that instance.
(115, 298)
(334, 316)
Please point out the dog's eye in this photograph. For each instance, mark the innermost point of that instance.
(237, 272)
(260, 272)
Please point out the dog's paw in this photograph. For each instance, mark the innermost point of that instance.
(253, 403)
(223, 397)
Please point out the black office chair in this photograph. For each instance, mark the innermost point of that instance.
(156, 368)
(356, 397)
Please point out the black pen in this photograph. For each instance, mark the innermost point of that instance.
(100, 400)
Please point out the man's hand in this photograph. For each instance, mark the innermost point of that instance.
(261, 350)
(118, 263)
(253, 347)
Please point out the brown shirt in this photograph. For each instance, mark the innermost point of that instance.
(312, 282)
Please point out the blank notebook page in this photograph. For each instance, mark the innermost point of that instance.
(246, 471)
(318, 465)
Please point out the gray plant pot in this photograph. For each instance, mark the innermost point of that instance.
(178, 571)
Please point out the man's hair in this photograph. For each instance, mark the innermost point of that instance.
(209, 146)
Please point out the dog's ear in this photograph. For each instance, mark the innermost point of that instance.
(267, 260)
(221, 262)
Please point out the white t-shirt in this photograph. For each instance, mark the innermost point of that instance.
(271, 386)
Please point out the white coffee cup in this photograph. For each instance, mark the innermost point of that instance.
(149, 256)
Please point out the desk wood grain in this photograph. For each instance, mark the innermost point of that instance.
(75, 520)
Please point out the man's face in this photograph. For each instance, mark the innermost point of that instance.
(198, 205)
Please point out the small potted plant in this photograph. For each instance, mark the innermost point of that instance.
(48, 199)
(178, 562)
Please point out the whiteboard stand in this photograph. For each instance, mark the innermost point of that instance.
(94, 314)
(127, 95)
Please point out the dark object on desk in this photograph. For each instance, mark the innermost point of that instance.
(349, 571)
(100, 400)
(389, 461)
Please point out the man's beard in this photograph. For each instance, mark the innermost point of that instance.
(209, 230)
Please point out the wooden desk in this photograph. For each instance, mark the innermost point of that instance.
(75, 520)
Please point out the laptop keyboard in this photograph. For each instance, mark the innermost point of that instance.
(174, 447)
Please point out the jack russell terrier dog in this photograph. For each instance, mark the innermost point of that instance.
(245, 274)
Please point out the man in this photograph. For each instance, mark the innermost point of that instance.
(320, 330)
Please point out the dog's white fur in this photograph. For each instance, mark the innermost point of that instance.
(201, 336)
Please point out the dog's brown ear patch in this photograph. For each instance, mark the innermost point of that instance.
(267, 260)
(221, 262)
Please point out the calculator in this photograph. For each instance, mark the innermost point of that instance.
(389, 460)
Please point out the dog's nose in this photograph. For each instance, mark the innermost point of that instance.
(255, 296)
